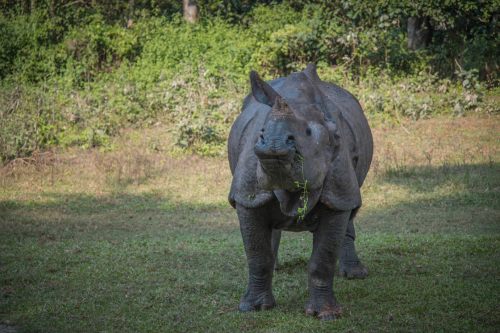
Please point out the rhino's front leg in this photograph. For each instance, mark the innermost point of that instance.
(256, 232)
(327, 243)
(275, 243)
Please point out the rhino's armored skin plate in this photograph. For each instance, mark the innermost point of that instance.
(299, 153)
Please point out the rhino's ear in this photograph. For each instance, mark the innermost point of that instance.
(262, 91)
(341, 187)
(311, 73)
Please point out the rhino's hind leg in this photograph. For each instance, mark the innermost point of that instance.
(276, 237)
(256, 233)
(350, 266)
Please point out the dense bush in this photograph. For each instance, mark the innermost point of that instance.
(76, 74)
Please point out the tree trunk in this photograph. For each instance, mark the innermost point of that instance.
(26, 6)
(52, 8)
(419, 32)
(190, 10)
(131, 5)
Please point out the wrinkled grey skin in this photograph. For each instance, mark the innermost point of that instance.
(297, 133)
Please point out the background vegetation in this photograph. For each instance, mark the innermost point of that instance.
(78, 72)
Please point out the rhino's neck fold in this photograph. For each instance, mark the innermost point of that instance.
(291, 203)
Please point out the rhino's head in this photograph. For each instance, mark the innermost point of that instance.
(294, 147)
(300, 138)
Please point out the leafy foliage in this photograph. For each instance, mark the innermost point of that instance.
(75, 73)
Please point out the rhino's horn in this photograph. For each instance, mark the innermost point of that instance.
(281, 109)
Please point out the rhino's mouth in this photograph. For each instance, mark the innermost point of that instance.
(283, 162)
(280, 172)
(276, 163)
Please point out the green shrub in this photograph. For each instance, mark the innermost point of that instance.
(29, 119)
(385, 96)
(98, 48)
(77, 75)
(28, 46)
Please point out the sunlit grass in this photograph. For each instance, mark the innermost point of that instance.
(137, 240)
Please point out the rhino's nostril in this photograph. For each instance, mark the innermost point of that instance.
(291, 138)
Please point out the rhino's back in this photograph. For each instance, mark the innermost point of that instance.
(361, 135)
(246, 127)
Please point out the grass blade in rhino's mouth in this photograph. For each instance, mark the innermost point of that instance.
(298, 158)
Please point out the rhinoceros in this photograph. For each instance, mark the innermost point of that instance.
(299, 152)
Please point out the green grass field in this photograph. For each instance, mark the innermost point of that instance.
(137, 240)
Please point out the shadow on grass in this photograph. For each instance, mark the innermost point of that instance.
(472, 206)
(447, 199)
(482, 176)
(293, 265)
(63, 215)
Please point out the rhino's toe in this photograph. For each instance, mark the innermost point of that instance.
(256, 304)
(326, 312)
(354, 270)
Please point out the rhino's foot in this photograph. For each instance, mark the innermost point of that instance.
(251, 302)
(353, 270)
(328, 311)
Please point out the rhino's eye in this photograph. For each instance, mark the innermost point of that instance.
(262, 130)
(308, 131)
